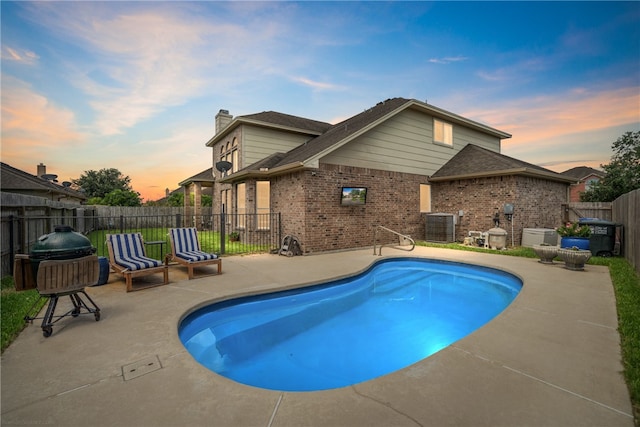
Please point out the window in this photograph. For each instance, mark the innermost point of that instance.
(225, 200)
(229, 153)
(425, 198)
(590, 182)
(234, 155)
(263, 203)
(442, 132)
(241, 209)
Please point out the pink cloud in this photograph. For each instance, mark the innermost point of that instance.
(545, 118)
(32, 126)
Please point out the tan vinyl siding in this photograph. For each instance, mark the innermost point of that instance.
(404, 143)
(463, 136)
(259, 143)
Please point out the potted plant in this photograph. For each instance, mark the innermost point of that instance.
(574, 234)
(234, 236)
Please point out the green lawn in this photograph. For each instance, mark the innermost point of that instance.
(14, 307)
(209, 240)
(626, 283)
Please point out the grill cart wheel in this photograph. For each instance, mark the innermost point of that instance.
(47, 331)
(97, 315)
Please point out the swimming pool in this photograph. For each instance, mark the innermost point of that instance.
(395, 313)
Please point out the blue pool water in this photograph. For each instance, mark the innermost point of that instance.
(397, 312)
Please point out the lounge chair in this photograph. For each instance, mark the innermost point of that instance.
(128, 258)
(186, 250)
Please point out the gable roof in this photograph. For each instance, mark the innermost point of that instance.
(309, 153)
(582, 172)
(477, 162)
(206, 176)
(18, 181)
(274, 120)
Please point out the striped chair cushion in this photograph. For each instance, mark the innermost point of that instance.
(128, 251)
(186, 245)
(196, 256)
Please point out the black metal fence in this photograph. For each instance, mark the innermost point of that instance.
(218, 233)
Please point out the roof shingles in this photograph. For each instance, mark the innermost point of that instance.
(475, 161)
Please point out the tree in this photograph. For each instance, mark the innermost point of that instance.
(622, 173)
(176, 199)
(122, 198)
(102, 182)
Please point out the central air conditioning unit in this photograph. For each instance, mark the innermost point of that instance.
(441, 228)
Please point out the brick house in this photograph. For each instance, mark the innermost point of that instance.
(274, 162)
(478, 183)
(584, 177)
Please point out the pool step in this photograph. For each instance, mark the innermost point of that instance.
(244, 344)
(387, 282)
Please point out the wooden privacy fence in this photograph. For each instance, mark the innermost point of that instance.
(626, 211)
(576, 210)
(218, 233)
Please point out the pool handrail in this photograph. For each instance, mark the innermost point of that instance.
(402, 238)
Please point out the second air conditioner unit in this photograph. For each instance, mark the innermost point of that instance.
(441, 228)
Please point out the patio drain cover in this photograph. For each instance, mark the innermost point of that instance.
(144, 366)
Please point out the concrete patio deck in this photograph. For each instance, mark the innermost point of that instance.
(552, 358)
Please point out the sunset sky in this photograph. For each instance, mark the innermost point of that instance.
(136, 85)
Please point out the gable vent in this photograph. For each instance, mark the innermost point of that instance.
(441, 228)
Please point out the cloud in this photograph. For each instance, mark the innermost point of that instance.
(22, 56)
(316, 85)
(448, 59)
(579, 123)
(36, 130)
(33, 120)
(138, 61)
(536, 119)
(520, 70)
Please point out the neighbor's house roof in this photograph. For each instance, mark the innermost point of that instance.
(13, 180)
(581, 173)
(335, 136)
(477, 162)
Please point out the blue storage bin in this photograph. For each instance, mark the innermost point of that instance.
(103, 278)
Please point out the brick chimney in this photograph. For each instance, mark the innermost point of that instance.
(223, 118)
(42, 170)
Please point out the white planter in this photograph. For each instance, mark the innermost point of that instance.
(574, 259)
(546, 253)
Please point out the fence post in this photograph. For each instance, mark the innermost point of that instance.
(222, 230)
(178, 220)
(11, 244)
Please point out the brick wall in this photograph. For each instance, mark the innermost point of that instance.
(576, 190)
(310, 206)
(537, 203)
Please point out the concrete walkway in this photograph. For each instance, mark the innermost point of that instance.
(552, 358)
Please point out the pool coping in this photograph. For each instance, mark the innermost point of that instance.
(551, 358)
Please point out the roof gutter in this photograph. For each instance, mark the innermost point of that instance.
(517, 171)
(262, 173)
